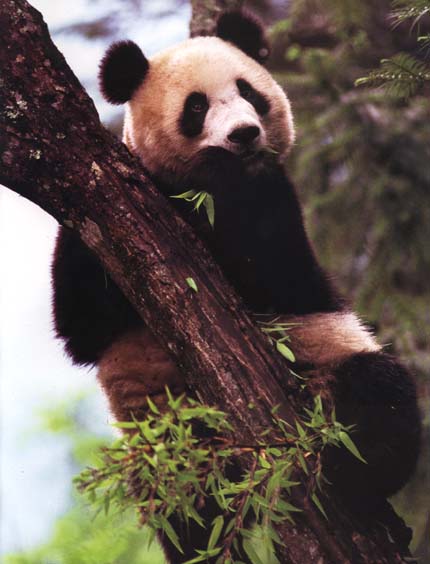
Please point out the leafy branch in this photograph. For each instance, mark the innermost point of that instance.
(403, 75)
(162, 467)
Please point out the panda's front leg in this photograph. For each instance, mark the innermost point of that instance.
(99, 326)
(134, 367)
(377, 395)
(90, 312)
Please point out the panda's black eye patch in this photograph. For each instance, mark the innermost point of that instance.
(193, 115)
(255, 98)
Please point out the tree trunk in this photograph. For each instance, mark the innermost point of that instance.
(55, 152)
(205, 14)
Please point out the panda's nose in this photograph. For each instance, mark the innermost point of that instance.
(244, 135)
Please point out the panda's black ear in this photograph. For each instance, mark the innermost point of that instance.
(122, 71)
(246, 32)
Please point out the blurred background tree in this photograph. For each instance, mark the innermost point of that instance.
(362, 167)
(362, 162)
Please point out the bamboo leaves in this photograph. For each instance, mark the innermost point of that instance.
(161, 467)
(199, 199)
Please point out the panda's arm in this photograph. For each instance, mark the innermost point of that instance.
(90, 312)
(259, 237)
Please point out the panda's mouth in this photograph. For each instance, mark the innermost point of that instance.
(250, 156)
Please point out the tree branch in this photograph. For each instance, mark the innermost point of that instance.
(54, 151)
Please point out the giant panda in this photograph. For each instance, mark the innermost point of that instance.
(206, 115)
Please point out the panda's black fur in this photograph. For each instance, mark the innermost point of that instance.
(260, 241)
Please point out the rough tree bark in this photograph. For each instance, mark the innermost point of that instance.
(55, 152)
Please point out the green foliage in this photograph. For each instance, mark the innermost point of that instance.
(277, 333)
(67, 419)
(80, 537)
(200, 198)
(161, 467)
(407, 9)
(401, 76)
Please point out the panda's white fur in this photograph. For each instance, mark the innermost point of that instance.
(323, 339)
(202, 64)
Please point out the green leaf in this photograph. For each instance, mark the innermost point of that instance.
(318, 404)
(347, 441)
(201, 197)
(170, 532)
(217, 525)
(125, 425)
(186, 195)
(333, 416)
(301, 431)
(302, 462)
(151, 536)
(204, 555)
(318, 504)
(152, 406)
(251, 552)
(285, 351)
(135, 440)
(210, 209)
(195, 516)
(286, 507)
(201, 558)
(191, 283)
(274, 536)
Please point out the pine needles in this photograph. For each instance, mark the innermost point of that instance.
(403, 75)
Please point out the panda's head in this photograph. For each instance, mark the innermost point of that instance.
(204, 92)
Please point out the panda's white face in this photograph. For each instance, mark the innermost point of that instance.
(232, 122)
(203, 93)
